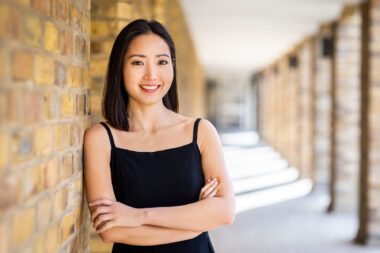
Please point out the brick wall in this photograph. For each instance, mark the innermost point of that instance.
(44, 112)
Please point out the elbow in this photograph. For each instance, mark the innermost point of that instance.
(229, 215)
(106, 237)
(229, 219)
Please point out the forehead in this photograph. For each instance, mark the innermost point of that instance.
(147, 43)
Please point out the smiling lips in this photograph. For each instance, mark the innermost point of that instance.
(150, 88)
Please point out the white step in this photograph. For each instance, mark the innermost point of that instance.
(240, 170)
(273, 195)
(254, 183)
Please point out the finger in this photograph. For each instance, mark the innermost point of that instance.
(210, 189)
(102, 201)
(211, 184)
(212, 194)
(203, 192)
(102, 218)
(106, 225)
(99, 210)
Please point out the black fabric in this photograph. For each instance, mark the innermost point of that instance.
(169, 177)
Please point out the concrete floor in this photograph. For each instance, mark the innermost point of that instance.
(293, 226)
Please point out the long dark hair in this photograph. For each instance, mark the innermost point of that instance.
(115, 98)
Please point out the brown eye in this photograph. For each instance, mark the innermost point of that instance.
(163, 62)
(137, 63)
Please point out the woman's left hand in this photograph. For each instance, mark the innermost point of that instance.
(108, 213)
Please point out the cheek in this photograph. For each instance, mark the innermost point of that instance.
(130, 77)
(169, 77)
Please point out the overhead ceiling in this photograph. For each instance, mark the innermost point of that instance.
(245, 35)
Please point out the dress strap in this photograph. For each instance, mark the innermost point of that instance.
(195, 133)
(109, 134)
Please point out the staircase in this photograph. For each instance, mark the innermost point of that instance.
(260, 176)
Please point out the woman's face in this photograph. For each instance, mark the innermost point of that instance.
(148, 70)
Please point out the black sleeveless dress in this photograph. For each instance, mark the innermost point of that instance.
(169, 177)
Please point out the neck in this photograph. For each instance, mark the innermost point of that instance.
(148, 118)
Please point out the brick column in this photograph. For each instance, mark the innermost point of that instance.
(347, 134)
(288, 68)
(323, 103)
(306, 107)
(369, 222)
(374, 125)
(44, 93)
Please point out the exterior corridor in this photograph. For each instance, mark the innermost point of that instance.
(277, 211)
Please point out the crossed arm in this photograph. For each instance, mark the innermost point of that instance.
(116, 222)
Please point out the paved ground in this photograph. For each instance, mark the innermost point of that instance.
(294, 226)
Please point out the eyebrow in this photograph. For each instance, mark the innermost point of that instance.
(143, 56)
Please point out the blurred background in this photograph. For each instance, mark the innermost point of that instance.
(293, 87)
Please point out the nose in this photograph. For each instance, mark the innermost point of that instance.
(150, 71)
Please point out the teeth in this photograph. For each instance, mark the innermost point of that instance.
(150, 87)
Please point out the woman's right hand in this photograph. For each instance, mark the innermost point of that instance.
(209, 190)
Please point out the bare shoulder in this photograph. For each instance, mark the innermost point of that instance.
(96, 135)
(206, 127)
(207, 134)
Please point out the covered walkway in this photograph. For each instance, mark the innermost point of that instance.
(276, 211)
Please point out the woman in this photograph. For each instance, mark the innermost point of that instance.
(155, 180)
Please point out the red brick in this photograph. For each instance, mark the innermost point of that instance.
(43, 140)
(44, 6)
(33, 181)
(4, 97)
(52, 105)
(80, 105)
(4, 151)
(52, 239)
(74, 16)
(32, 34)
(21, 66)
(32, 107)
(10, 22)
(14, 107)
(61, 136)
(67, 166)
(22, 144)
(67, 226)
(80, 47)
(60, 202)
(44, 213)
(60, 74)
(60, 9)
(74, 134)
(10, 191)
(67, 44)
(23, 225)
(51, 175)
